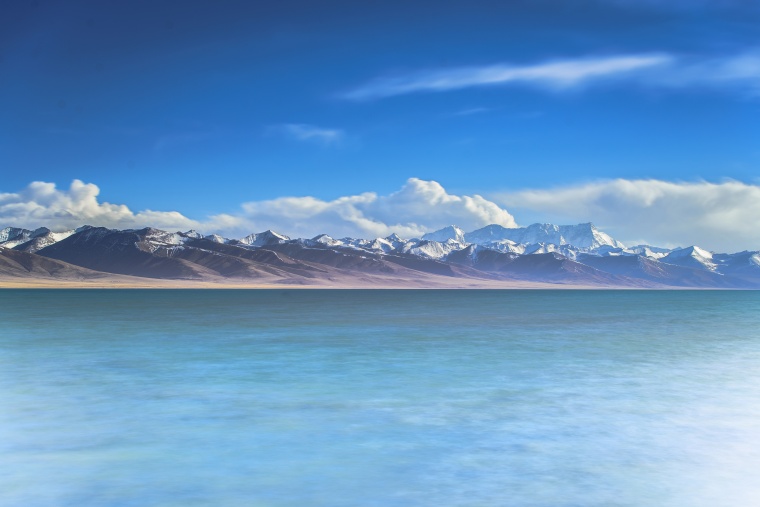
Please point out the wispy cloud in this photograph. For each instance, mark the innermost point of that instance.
(659, 70)
(470, 111)
(555, 74)
(309, 133)
(742, 70)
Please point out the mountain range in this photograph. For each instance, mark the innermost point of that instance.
(540, 255)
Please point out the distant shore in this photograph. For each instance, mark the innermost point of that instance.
(142, 283)
(129, 282)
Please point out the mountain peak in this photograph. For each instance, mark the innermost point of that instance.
(215, 238)
(583, 236)
(268, 237)
(451, 232)
(192, 233)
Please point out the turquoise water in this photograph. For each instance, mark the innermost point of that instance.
(379, 398)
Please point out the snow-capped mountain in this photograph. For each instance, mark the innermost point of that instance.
(693, 257)
(265, 238)
(651, 252)
(582, 236)
(579, 254)
(324, 239)
(31, 241)
(452, 232)
(216, 238)
(431, 249)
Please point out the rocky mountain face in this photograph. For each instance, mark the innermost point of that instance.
(577, 254)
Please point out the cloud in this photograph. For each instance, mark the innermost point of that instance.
(553, 74)
(470, 111)
(741, 70)
(309, 133)
(657, 70)
(718, 216)
(42, 204)
(418, 207)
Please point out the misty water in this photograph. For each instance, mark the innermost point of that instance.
(379, 398)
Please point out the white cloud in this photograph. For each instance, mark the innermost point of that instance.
(718, 216)
(418, 207)
(741, 70)
(42, 204)
(306, 132)
(554, 74)
(658, 70)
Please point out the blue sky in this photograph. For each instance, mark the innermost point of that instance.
(204, 107)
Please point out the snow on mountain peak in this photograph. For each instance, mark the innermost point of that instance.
(451, 232)
(324, 239)
(692, 256)
(431, 249)
(493, 232)
(215, 238)
(192, 233)
(11, 233)
(583, 236)
(267, 237)
(651, 252)
(691, 251)
(163, 237)
(31, 241)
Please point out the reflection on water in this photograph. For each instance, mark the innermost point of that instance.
(379, 398)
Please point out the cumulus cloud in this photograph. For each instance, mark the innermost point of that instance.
(418, 207)
(718, 216)
(43, 204)
(659, 70)
(309, 133)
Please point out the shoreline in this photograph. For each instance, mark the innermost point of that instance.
(158, 284)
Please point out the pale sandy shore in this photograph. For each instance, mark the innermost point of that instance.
(430, 282)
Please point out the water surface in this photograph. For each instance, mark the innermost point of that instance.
(379, 398)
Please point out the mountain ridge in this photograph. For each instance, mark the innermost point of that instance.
(542, 253)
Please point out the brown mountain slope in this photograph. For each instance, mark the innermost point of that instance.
(19, 264)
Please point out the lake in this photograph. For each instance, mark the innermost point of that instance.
(379, 398)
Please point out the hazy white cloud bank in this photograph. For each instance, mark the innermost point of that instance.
(418, 207)
(722, 217)
(718, 216)
(656, 70)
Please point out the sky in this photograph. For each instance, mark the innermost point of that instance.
(366, 118)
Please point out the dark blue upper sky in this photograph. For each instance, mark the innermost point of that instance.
(202, 105)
